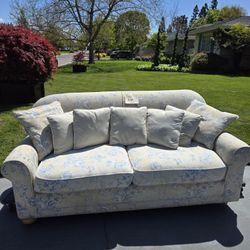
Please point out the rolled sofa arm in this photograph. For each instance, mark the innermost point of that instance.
(20, 168)
(232, 150)
(235, 154)
(25, 157)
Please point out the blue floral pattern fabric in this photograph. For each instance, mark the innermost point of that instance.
(156, 165)
(95, 167)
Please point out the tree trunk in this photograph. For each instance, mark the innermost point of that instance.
(184, 50)
(91, 53)
(173, 61)
(157, 50)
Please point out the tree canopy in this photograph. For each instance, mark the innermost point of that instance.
(78, 17)
(235, 38)
(179, 24)
(131, 29)
(228, 12)
(214, 15)
(214, 4)
(106, 38)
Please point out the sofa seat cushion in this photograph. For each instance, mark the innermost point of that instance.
(96, 167)
(156, 165)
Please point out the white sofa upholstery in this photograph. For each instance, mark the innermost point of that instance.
(95, 167)
(156, 165)
(107, 178)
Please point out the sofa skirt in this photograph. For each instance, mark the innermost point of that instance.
(125, 199)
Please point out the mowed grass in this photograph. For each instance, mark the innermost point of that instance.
(231, 94)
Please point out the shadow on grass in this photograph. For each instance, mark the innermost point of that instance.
(226, 74)
(13, 107)
(159, 227)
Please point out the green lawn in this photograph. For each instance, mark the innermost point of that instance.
(227, 93)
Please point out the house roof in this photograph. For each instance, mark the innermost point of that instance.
(213, 26)
(181, 36)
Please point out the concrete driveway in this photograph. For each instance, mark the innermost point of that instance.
(197, 227)
(65, 59)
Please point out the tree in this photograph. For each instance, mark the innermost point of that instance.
(22, 19)
(152, 40)
(204, 10)
(235, 38)
(106, 38)
(215, 15)
(195, 14)
(161, 29)
(56, 36)
(80, 15)
(184, 49)
(179, 26)
(229, 12)
(214, 4)
(131, 29)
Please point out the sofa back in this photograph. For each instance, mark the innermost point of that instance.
(151, 99)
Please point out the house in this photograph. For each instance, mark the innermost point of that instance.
(180, 41)
(145, 52)
(204, 41)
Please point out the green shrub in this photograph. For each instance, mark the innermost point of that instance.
(161, 67)
(185, 70)
(146, 58)
(164, 59)
(207, 62)
(167, 68)
(144, 67)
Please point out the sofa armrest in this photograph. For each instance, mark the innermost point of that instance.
(232, 150)
(24, 157)
(235, 154)
(20, 168)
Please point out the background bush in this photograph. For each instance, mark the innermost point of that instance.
(208, 63)
(25, 55)
(161, 67)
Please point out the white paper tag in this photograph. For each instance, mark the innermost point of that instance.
(130, 99)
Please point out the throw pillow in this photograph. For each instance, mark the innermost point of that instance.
(164, 127)
(91, 127)
(36, 125)
(128, 126)
(213, 122)
(189, 126)
(62, 132)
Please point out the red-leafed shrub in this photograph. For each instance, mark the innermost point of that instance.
(79, 57)
(25, 55)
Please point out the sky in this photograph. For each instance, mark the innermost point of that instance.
(183, 6)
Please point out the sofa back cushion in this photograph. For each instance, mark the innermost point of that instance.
(128, 126)
(163, 127)
(91, 127)
(62, 132)
(213, 122)
(36, 125)
(189, 126)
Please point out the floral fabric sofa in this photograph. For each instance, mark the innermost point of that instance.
(106, 178)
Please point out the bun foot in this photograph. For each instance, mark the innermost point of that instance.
(28, 221)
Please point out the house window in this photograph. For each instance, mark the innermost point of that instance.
(205, 43)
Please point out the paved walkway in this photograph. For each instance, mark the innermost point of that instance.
(187, 228)
(65, 59)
